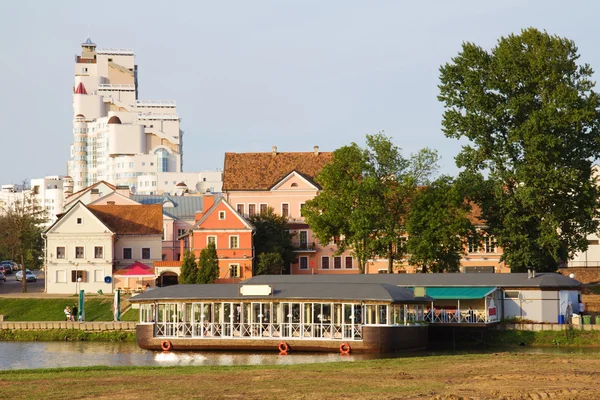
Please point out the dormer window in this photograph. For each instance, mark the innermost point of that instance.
(221, 215)
(294, 184)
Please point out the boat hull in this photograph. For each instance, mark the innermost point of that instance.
(376, 339)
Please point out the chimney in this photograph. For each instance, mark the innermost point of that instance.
(316, 149)
(274, 150)
(208, 200)
(123, 190)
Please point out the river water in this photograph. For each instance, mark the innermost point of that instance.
(24, 355)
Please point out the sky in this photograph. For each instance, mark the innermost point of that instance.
(249, 75)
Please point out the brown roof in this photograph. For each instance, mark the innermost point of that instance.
(130, 219)
(261, 171)
(114, 120)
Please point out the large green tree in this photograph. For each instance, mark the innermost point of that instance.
(21, 233)
(208, 270)
(189, 269)
(439, 226)
(365, 198)
(530, 115)
(272, 236)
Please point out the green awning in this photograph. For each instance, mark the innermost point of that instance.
(459, 293)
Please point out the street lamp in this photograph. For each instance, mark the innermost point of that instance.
(78, 282)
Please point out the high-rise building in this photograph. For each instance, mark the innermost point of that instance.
(117, 137)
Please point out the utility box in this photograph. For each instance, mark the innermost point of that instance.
(587, 319)
(576, 319)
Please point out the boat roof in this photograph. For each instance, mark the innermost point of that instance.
(511, 280)
(285, 291)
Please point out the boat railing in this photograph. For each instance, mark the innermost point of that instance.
(258, 330)
(462, 317)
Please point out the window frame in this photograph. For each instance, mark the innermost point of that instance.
(237, 270)
(338, 258)
(130, 253)
(237, 241)
(240, 208)
(323, 258)
(101, 251)
(79, 220)
(346, 262)
(300, 263)
(83, 252)
(287, 214)
(64, 252)
(208, 237)
(222, 215)
(149, 253)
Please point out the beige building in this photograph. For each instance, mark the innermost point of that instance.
(88, 243)
(116, 136)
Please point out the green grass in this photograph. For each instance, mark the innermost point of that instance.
(24, 309)
(60, 335)
(131, 315)
(568, 338)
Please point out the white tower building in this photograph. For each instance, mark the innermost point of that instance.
(117, 137)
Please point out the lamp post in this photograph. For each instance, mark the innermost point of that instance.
(78, 282)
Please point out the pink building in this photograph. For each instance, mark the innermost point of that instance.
(252, 182)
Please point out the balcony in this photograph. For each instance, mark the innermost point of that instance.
(304, 247)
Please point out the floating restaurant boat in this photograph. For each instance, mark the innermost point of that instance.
(344, 317)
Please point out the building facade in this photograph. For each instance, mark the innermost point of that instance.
(116, 136)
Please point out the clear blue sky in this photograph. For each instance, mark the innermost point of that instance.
(248, 75)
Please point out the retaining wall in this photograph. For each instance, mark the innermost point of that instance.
(84, 326)
(545, 327)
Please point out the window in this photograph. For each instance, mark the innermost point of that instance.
(251, 209)
(294, 184)
(76, 275)
(61, 276)
(490, 244)
(511, 294)
(98, 275)
(98, 252)
(285, 209)
(301, 209)
(127, 253)
(145, 253)
(164, 257)
(130, 165)
(221, 215)
(234, 242)
(143, 164)
(181, 232)
(349, 262)
(234, 270)
(211, 239)
(303, 261)
(79, 253)
(60, 252)
(473, 245)
(303, 239)
(324, 262)
(240, 209)
(337, 262)
(79, 221)
(263, 208)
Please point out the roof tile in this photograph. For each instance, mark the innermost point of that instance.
(130, 219)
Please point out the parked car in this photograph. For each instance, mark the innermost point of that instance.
(5, 269)
(2, 277)
(29, 276)
(13, 266)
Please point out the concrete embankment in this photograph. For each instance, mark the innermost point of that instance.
(104, 326)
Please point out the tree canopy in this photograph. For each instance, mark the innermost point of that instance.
(531, 118)
(272, 236)
(189, 269)
(208, 270)
(438, 226)
(365, 198)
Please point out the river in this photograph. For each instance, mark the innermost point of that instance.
(25, 355)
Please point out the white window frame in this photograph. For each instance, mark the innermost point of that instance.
(101, 273)
(328, 262)
(300, 263)
(237, 238)
(79, 258)
(352, 262)
(237, 208)
(237, 270)
(251, 204)
(64, 252)
(61, 273)
(98, 258)
(149, 252)
(289, 214)
(260, 206)
(208, 240)
(123, 253)
(341, 260)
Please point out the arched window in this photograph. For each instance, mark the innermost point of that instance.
(163, 157)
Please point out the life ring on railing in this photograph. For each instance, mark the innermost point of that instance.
(344, 349)
(166, 345)
(283, 349)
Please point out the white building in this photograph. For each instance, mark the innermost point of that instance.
(177, 183)
(117, 137)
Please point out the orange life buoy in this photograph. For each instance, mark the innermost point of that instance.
(344, 349)
(283, 348)
(166, 345)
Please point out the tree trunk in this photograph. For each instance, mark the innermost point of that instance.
(390, 258)
(24, 276)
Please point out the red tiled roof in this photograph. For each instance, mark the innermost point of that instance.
(260, 171)
(130, 219)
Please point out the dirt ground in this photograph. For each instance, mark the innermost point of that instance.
(488, 376)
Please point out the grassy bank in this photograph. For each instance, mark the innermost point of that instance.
(568, 338)
(27, 309)
(51, 335)
(499, 375)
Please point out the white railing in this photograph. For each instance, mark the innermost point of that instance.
(464, 317)
(115, 51)
(156, 103)
(258, 330)
(115, 86)
(141, 115)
